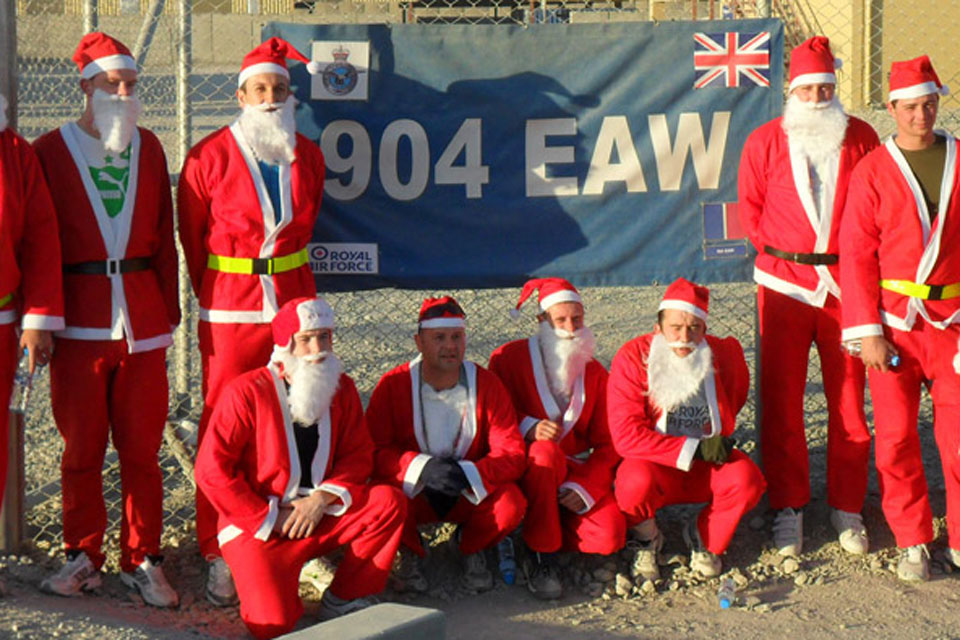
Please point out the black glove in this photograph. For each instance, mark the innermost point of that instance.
(441, 503)
(715, 449)
(445, 476)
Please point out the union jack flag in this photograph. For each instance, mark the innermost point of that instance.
(721, 59)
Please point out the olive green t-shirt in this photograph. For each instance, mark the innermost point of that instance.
(927, 167)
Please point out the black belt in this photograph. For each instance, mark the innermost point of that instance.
(803, 258)
(108, 267)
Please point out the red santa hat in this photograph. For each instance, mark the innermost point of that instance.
(552, 291)
(914, 78)
(441, 313)
(686, 296)
(98, 52)
(300, 314)
(271, 57)
(812, 62)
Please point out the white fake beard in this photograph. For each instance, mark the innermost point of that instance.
(271, 134)
(115, 117)
(672, 379)
(314, 380)
(565, 356)
(816, 129)
(3, 112)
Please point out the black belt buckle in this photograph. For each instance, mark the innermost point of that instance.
(263, 266)
(936, 292)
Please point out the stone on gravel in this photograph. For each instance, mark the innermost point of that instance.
(624, 585)
(648, 587)
(790, 565)
(800, 579)
(752, 601)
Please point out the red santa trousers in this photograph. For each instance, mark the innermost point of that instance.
(9, 353)
(730, 490)
(226, 351)
(483, 525)
(926, 353)
(97, 390)
(787, 327)
(550, 527)
(267, 574)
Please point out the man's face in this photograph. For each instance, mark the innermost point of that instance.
(442, 348)
(565, 315)
(915, 117)
(270, 88)
(681, 326)
(312, 342)
(814, 92)
(121, 82)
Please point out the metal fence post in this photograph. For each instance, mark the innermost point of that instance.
(91, 20)
(184, 52)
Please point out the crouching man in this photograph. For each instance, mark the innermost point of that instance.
(285, 462)
(672, 401)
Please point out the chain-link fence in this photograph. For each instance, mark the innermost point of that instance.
(189, 54)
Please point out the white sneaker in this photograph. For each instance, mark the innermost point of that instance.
(788, 532)
(476, 574)
(953, 555)
(149, 580)
(333, 607)
(914, 564)
(646, 542)
(73, 578)
(705, 562)
(220, 588)
(853, 535)
(317, 572)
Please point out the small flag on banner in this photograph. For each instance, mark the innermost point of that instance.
(723, 235)
(726, 59)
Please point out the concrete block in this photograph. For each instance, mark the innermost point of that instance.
(388, 621)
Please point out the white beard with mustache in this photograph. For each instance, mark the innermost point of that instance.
(3, 112)
(115, 117)
(565, 357)
(271, 134)
(671, 379)
(815, 129)
(314, 379)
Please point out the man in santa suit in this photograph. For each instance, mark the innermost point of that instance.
(560, 393)
(672, 402)
(794, 173)
(286, 463)
(29, 268)
(446, 433)
(248, 198)
(901, 296)
(108, 375)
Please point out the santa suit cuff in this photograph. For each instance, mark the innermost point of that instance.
(862, 331)
(337, 508)
(42, 322)
(526, 424)
(583, 493)
(266, 527)
(685, 459)
(411, 479)
(477, 491)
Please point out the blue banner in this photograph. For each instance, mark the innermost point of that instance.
(480, 155)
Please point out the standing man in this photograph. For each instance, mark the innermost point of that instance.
(672, 401)
(794, 173)
(446, 433)
(901, 284)
(29, 269)
(286, 465)
(559, 391)
(108, 375)
(248, 198)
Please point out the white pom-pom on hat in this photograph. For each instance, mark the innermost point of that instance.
(956, 359)
(314, 67)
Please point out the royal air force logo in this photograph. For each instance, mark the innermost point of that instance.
(340, 77)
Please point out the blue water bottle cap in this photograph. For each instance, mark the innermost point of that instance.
(724, 603)
(894, 360)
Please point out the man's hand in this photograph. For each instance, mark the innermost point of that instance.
(39, 346)
(570, 499)
(715, 449)
(876, 352)
(304, 514)
(544, 430)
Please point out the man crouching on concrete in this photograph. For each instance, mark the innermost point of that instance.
(285, 463)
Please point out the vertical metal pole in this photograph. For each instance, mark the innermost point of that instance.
(8, 60)
(91, 20)
(184, 52)
(763, 8)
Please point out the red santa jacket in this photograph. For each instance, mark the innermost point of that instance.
(490, 449)
(248, 463)
(29, 243)
(887, 235)
(225, 210)
(776, 207)
(141, 306)
(638, 427)
(519, 365)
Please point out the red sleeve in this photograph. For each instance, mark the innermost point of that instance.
(193, 207)
(353, 458)
(596, 474)
(752, 186)
(500, 366)
(505, 460)
(385, 422)
(165, 261)
(859, 265)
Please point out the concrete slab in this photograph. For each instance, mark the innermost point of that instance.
(387, 621)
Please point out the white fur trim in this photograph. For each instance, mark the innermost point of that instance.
(261, 67)
(862, 331)
(341, 492)
(267, 525)
(477, 491)
(8, 317)
(576, 487)
(813, 78)
(411, 478)
(685, 459)
(108, 63)
(956, 359)
(683, 306)
(564, 295)
(227, 534)
(44, 323)
(526, 424)
(443, 323)
(315, 314)
(917, 90)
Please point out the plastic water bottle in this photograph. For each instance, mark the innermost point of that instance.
(855, 348)
(508, 561)
(22, 381)
(727, 593)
